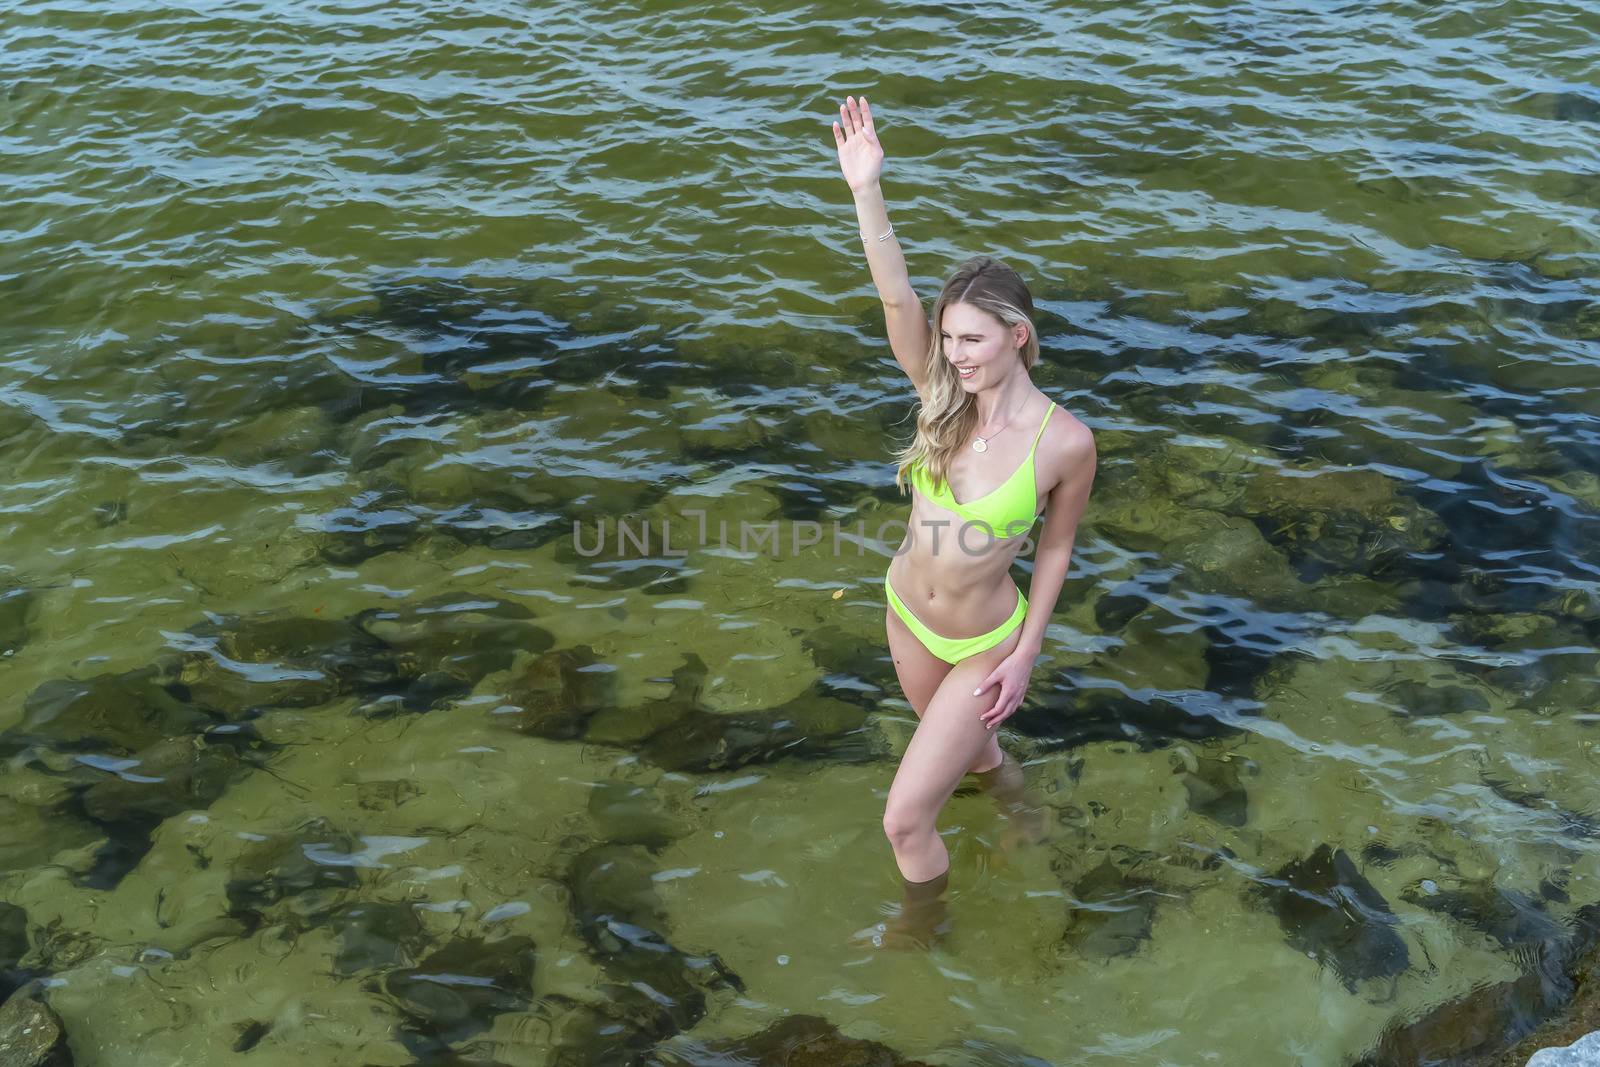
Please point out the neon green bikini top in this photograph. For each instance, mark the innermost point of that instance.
(1009, 509)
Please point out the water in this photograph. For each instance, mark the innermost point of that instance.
(324, 326)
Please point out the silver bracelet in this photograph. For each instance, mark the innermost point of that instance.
(884, 236)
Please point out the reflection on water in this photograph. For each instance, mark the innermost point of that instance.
(325, 740)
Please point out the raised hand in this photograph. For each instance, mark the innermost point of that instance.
(860, 154)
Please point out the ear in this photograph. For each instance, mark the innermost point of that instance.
(1019, 334)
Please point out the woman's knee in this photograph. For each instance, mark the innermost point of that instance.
(903, 821)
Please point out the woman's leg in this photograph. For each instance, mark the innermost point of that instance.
(1023, 812)
(920, 673)
(949, 741)
(919, 670)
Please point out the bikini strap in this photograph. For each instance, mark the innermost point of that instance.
(1042, 422)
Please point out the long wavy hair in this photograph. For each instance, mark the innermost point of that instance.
(948, 413)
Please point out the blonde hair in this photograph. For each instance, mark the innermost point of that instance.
(948, 413)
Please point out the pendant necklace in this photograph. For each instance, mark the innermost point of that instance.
(981, 443)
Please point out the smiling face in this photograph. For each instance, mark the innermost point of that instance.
(975, 342)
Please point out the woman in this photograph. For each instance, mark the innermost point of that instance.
(991, 452)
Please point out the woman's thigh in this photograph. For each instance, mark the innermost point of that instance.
(919, 670)
(950, 737)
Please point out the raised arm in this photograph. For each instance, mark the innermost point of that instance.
(861, 160)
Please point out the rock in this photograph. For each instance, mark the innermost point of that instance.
(444, 646)
(172, 775)
(1478, 1027)
(1224, 555)
(852, 668)
(1351, 520)
(807, 727)
(1584, 1052)
(1158, 650)
(456, 991)
(374, 934)
(626, 813)
(1214, 789)
(622, 921)
(13, 947)
(595, 1034)
(374, 523)
(560, 690)
(119, 713)
(237, 664)
(288, 865)
(1068, 716)
(1512, 918)
(1330, 912)
(16, 613)
(795, 1041)
(31, 1035)
(1112, 912)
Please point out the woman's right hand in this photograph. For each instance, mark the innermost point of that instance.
(860, 154)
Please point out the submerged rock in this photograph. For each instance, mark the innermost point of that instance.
(374, 934)
(238, 664)
(851, 668)
(444, 646)
(559, 691)
(1213, 787)
(1224, 555)
(172, 775)
(1351, 520)
(1073, 716)
(1330, 912)
(623, 923)
(794, 1041)
(30, 836)
(632, 725)
(1306, 690)
(16, 612)
(1568, 823)
(1510, 917)
(1480, 1027)
(626, 813)
(1569, 106)
(1158, 650)
(807, 727)
(595, 1033)
(457, 990)
(120, 713)
(288, 865)
(31, 1035)
(1111, 912)
(13, 947)
(1120, 606)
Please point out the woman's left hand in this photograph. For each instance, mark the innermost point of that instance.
(1012, 675)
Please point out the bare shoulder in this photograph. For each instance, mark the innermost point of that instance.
(1068, 447)
(1068, 438)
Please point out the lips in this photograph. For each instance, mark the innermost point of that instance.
(969, 372)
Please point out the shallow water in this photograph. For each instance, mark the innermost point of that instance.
(326, 328)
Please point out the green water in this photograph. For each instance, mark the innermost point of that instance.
(326, 327)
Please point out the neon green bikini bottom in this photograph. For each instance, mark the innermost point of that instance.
(954, 649)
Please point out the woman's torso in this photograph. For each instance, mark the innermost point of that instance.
(952, 579)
